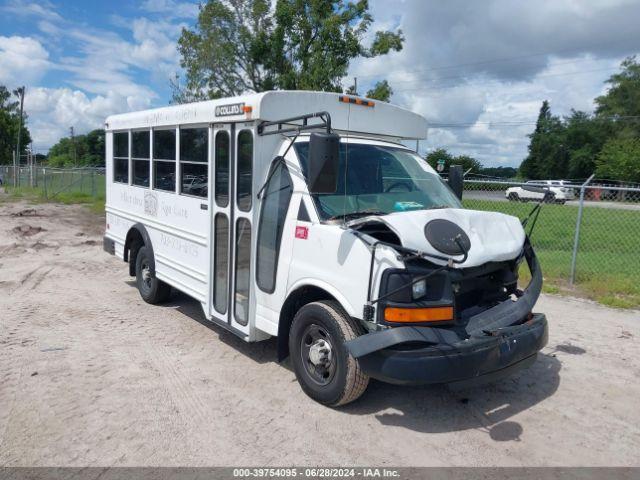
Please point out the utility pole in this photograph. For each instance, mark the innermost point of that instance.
(355, 85)
(73, 141)
(20, 92)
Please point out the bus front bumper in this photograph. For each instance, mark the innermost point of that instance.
(469, 362)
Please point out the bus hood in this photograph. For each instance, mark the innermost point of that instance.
(493, 236)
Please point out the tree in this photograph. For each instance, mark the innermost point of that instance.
(381, 91)
(620, 160)
(82, 150)
(466, 161)
(548, 155)
(241, 46)
(9, 122)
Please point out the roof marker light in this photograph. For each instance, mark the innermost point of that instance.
(357, 101)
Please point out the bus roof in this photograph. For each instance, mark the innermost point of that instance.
(380, 118)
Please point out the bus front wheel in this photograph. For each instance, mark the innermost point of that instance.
(151, 289)
(323, 366)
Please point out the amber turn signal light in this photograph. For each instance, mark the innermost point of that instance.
(418, 315)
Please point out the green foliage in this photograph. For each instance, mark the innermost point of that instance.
(500, 172)
(83, 150)
(574, 147)
(241, 45)
(381, 91)
(620, 160)
(466, 161)
(9, 123)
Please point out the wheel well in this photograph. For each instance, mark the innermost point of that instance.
(294, 302)
(132, 244)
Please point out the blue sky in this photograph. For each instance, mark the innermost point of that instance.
(478, 71)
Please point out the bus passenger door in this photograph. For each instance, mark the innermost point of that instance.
(231, 209)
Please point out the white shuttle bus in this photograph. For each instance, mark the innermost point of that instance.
(302, 216)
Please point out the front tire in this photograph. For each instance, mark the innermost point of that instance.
(323, 366)
(151, 289)
(513, 197)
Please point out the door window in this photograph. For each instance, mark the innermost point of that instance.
(222, 155)
(221, 263)
(273, 212)
(245, 170)
(242, 276)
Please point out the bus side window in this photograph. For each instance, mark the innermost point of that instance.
(194, 176)
(273, 212)
(164, 160)
(121, 157)
(140, 157)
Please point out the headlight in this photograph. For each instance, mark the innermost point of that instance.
(419, 289)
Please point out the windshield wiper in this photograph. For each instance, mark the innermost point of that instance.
(361, 213)
(438, 207)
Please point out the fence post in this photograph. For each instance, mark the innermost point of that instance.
(93, 183)
(44, 182)
(576, 239)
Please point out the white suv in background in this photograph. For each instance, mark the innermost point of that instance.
(560, 190)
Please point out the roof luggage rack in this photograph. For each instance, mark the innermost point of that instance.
(287, 125)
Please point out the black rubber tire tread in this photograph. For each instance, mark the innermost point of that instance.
(356, 380)
(160, 291)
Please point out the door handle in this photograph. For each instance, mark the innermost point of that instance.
(204, 206)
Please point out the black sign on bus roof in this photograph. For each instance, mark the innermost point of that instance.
(229, 109)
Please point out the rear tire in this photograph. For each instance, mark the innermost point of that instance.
(324, 368)
(151, 289)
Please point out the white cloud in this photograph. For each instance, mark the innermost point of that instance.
(53, 110)
(23, 60)
(171, 8)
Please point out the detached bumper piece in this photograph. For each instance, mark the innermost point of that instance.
(498, 341)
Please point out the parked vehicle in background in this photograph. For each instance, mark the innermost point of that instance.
(559, 191)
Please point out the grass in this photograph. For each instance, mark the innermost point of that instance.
(37, 195)
(608, 261)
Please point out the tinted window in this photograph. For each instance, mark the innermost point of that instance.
(164, 144)
(245, 170)
(140, 144)
(164, 176)
(193, 144)
(195, 180)
(141, 173)
(121, 145)
(275, 204)
(121, 157)
(220, 265)
(222, 168)
(121, 170)
(242, 277)
(194, 176)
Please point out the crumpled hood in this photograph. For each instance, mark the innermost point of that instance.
(494, 236)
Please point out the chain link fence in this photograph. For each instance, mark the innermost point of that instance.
(587, 233)
(51, 183)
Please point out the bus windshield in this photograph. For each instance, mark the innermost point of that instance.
(377, 180)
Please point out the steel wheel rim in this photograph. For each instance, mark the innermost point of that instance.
(318, 354)
(145, 269)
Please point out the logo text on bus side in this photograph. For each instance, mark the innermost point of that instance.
(229, 109)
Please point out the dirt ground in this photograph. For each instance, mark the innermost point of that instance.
(90, 375)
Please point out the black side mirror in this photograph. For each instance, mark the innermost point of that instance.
(324, 160)
(456, 180)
